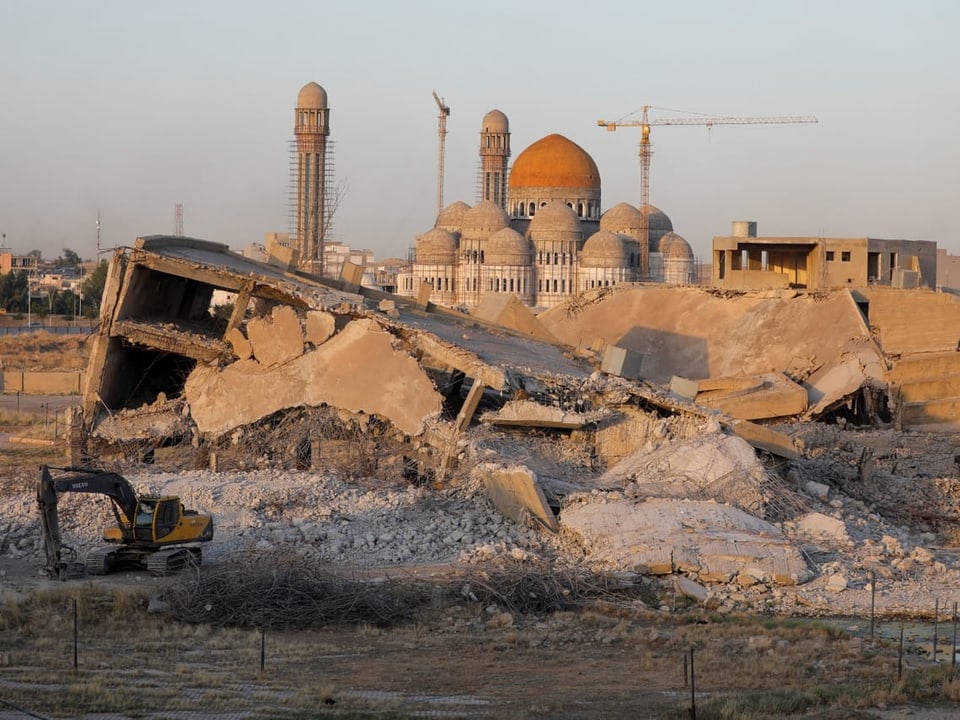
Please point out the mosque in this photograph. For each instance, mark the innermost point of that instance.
(539, 231)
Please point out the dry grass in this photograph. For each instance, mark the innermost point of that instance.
(45, 351)
(602, 659)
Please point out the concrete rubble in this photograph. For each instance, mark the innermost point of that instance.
(621, 430)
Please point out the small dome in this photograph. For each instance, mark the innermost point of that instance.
(554, 162)
(621, 217)
(451, 217)
(508, 247)
(437, 247)
(555, 216)
(657, 220)
(674, 247)
(486, 215)
(604, 249)
(495, 122)
(312, 97)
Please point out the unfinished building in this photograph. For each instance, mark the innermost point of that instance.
(745, 261)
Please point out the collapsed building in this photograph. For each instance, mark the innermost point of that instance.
(302, 372)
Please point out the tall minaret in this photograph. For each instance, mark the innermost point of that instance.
(311, 128)
(494, 151)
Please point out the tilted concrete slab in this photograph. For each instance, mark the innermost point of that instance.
(526, 413)
(770, 395)
(508, 311)
(517, 494)
(700, 333)
(359, 370)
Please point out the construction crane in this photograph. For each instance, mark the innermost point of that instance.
(442, 133)
(645, 123)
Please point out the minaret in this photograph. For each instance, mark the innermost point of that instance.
(494, 151)
(311, 128)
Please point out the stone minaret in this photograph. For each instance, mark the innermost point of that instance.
(311, 128)
(494, 152)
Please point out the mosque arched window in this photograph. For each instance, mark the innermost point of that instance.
(580, 209)
(533, 209)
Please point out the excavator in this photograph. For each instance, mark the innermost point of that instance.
(153, 532)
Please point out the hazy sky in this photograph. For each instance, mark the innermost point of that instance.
(131, 107)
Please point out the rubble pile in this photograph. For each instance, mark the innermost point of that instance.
(347, 426)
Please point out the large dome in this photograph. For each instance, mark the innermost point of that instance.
(508, 247)
(657, 219)
(312, 97)
(672, 246)
(621, 217)
(554, 162)
(604, 249)
(554, 217)
(495, 122)
(437, 247)
(486, 215)
(451, 217)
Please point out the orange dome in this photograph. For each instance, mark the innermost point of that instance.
(554, 162)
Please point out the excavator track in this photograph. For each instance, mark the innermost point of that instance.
(173, 560)
(100, 561)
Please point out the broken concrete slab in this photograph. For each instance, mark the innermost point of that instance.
(823, 527)
(516, 493)
(717, 466)
(358, 370)
(320, 327)
(277, 339)
(714, 541)
(684, 388)
(526, 413)
(241, 346)
(770, 395)
(763, 438)
(622, 362)
(700, 333)
(508, 311)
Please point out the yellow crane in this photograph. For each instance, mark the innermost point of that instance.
(645, 123)
(442, 133)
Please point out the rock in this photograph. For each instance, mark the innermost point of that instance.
(156, 606)
(823, 527)
(690, 588)
(892, 545)
(817, 490)
(922, 555)
(836, 583)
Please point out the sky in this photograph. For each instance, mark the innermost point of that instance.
(126, 108)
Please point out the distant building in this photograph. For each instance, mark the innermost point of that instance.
(743, 260)
(948, 270)
(545, 238)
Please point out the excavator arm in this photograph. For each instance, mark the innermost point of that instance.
(78, 480)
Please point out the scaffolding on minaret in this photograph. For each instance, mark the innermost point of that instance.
(330, 202)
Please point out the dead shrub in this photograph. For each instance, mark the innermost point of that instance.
(282, 591)
(541, 587)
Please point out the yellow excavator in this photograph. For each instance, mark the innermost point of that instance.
(153, 532)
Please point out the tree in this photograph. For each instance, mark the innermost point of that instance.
(92, 290)
(70, 258)
(13, 291)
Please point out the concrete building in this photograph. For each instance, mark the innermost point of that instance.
(743, 260)
(546, 238)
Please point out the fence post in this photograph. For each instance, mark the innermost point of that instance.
(900, 654)
(693, 689)
(76, 635)
(953, 650)
(873, 601)
(936, 617)
(263, 649)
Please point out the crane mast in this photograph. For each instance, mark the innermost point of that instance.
(442, 136)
